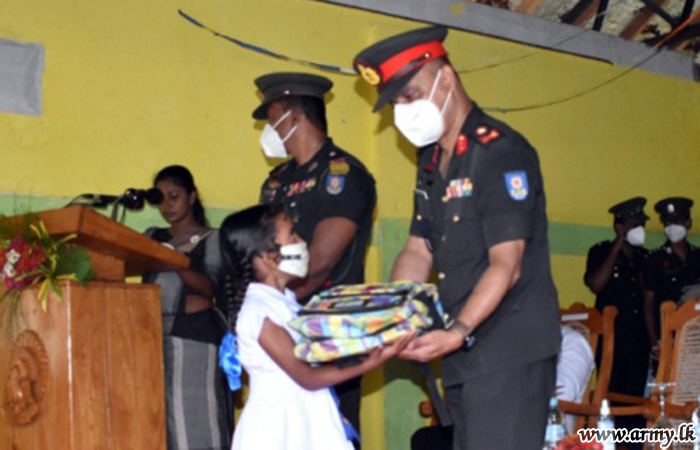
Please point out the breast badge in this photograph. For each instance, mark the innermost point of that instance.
(459, 188)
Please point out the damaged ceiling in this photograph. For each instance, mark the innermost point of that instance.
(661, 36)
(648, 21)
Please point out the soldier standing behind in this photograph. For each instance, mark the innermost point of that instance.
(670, 267)
(329, 194)
(614, 274)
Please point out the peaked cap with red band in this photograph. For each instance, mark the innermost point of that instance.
(390, 64)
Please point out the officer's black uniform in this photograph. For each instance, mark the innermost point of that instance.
(624, 290)
(492, 193)
(332, 184)
(665, 273)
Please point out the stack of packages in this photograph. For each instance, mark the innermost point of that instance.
(348, 321)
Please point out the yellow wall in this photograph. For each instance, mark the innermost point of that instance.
(130, 87)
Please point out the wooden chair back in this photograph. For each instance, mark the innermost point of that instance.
(679, 360)
(597, 328)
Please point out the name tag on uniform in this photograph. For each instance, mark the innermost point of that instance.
(459, 188)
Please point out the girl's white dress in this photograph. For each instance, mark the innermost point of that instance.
(279, 414)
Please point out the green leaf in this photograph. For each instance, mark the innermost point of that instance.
(57, 290)
(74, 260)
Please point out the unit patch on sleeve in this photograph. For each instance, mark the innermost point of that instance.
(335, 184)
(516, 184)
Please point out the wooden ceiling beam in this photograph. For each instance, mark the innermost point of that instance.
(687, 10)
(640, 20)
(600, 15)
(530, 6)
(686, 37)
(580, 13)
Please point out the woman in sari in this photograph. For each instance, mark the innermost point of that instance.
(198, 407)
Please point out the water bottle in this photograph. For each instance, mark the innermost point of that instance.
(696, 426)
(555, 426)
(605, 422)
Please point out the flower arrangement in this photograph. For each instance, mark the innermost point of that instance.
(30, 256)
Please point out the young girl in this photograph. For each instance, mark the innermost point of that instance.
(290, 406)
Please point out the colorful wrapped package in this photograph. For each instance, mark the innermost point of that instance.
(351, 320)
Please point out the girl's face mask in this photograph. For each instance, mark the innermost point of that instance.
(295, 259)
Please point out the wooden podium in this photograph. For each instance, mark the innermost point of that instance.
(88, 374)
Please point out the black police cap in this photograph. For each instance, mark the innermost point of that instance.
(630, 209)
(674, 207)
(286, 84)
(390, 64)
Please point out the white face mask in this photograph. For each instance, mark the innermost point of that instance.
(271, 142)
(295, 259)
(635, 236)
(421, 121)
(675, 233)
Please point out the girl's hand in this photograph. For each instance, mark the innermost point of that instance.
(380, 355)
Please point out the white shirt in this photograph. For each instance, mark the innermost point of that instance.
(574, 367)
(279, 413)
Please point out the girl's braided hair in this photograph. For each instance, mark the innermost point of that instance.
(243, 236)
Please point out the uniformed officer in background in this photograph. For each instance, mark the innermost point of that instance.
(614, 274)
(329, 194)
(480, 222)
(672, 266)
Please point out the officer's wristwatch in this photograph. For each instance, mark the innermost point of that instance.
(463, 329)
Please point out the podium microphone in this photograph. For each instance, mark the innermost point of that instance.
(131, 199)
(134, 198)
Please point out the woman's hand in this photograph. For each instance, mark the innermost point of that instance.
(197, 282)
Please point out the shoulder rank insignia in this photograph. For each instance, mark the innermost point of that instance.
(487, 134)
(338, 166)
(516, 184)
(335, 184)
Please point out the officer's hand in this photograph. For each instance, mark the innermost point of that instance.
(619, 239)
(432, 345)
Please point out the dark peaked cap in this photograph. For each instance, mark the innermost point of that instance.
(630, 209)
(390, 64)
(674, 207)
(286, 84)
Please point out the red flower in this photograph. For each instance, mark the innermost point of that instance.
(31, 258)
(573, 442)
